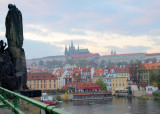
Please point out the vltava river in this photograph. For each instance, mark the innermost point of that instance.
(117, 105)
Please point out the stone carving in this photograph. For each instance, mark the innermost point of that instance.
(13, 73)
(14, 27)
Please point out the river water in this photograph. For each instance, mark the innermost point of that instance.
(117, 105)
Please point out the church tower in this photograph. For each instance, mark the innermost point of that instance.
(66, 52)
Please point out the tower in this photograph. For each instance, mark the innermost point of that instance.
(66, 52)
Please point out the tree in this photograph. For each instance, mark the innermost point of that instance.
(101, 83)
(66, 96)
(155, 77)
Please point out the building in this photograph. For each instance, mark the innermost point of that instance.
(116, 78)
(87, 74)
(61, 80)
(83, 87)
(123, 72)
(72, 51)
(144, 72)
(109, 73)
(86, 56)
(118, 83)
(97, 74)
(120, 58)
(42, 81)
(152, 56)
(151, 89)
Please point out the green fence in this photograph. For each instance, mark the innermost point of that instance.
(47, 108)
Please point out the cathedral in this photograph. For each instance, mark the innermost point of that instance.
(72, 51)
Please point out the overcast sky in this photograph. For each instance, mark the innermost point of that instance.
(128, 26)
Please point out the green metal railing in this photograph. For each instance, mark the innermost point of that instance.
(47, 108)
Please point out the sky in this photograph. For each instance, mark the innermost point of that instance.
(127, 26)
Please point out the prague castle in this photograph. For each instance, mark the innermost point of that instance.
(72, 51)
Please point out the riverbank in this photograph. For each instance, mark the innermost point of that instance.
(116, 105)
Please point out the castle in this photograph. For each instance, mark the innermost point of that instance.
(72, 51)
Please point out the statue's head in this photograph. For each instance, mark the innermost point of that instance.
(10, 6)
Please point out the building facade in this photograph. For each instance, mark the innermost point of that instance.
(128, 58)
(118, 84)
(42, 81)
(145, 71)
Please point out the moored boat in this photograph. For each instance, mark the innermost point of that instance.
(48, 99)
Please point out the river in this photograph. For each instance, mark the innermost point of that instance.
(117, 105)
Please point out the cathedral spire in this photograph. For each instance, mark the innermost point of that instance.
(71, 43)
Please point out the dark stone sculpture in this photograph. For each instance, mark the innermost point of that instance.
(14, 27)
(13, 72)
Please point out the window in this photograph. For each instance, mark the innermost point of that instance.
(41, 81)
(44, 81)
(119, 84)
(44, 86)
(116, 84)
(113, 84)
(37, 81)
(30, 81)
(30, 86)
(34, 81)
(41, 86)
(50, 81)
(54, 80)
(37, 86)
(123, 84)
(54, 85)
(49, 85)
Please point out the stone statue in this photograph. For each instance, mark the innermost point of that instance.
(14, 27)
(2, 46)
(13, 72)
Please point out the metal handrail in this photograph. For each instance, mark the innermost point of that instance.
(47, 108)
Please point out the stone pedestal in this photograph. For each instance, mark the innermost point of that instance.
(18, 58)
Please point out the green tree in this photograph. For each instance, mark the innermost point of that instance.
(101, 83)
(155, 77)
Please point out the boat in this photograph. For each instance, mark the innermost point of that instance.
(92, 103)
(48, 99)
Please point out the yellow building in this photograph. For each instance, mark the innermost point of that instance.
(42, 81)
(118, 83)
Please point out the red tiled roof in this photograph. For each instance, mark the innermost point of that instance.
(108, 92)
(122, 69)
(60, 71)
(98, 72)
(122, 54)
(86, 69)
(149, 66)
(109, 68)
(40, 76)
(82, 85)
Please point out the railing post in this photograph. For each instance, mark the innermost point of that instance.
(15, 103)
(4, 94)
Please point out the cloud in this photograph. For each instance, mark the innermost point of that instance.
(95, 41)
